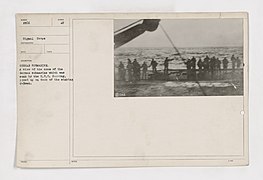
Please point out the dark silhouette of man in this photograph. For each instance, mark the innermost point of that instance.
(233, 60)
(238, 62)
(188, 67)
(144, 70)
(200, 65)
(129, 68)
(154, 65)
(166, 65)
(225, 64)
(136, 70)
(206, 63)
(206, 66)
(193, 67)
(218, 67)
(121, 70)
(212, 65)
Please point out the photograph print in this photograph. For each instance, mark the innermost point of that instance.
(178, 57)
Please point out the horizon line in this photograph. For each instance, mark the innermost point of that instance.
(181, 47)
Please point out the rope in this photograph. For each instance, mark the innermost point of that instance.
(201, 88)
(168, 37)
(128, 26)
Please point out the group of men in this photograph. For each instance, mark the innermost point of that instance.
(134, 70)
(208, 68)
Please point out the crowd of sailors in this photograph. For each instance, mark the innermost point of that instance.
(207, 68)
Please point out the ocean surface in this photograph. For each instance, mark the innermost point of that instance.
(159, 54)
(225, 87)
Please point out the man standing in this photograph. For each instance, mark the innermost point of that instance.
(121, 70)
(218, 68)
(136, 70)
(193, 67)
(212, 66)
(238, 62)
(200, 68)
(206, 66)
(129, 69)
(188, 67)
(154, 65)
(144, 70)
(225, 64)
(166, 65)
(233, 60)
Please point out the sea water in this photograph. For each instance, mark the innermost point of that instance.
(176, 88)
(160, 53)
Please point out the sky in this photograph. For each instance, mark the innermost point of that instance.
(190, 33)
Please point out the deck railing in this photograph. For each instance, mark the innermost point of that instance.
(181, 74)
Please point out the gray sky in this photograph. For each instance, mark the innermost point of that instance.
(190, 33)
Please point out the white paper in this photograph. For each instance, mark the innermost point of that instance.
(74, 111)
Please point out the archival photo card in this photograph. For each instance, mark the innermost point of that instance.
(132, 90)
(178, 57)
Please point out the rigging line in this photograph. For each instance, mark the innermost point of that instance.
(168, 37)
(127, 26)
(201, 88)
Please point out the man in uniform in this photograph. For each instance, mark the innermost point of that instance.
(212, 66)
(238, 62)
(206, 66)
(233, 60)
(225, 64)
(218, 68)
(129, 69)
(121, 70)
(154, 65)
(200, 65)
(144, 70)
(166, 65)
(136, 70)
(188, 67)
